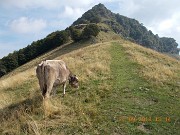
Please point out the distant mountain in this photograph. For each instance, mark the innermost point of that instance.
(128, 28)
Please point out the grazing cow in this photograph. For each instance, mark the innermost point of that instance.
(53, 72)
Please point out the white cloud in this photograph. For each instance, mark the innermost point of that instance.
(30, 3)
(165, 25)
(72, 13)
(48, 4)
(178, 29)
(169, 26)
(128, 7)
(25, 25)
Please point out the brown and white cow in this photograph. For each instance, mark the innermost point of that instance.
(52, 73)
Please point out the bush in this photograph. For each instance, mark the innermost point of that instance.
(90, 30)
(2, 69)
(75, 34)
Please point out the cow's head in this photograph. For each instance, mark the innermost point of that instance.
(73, 81)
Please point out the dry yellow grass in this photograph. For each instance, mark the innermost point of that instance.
(87, 65)
(156, 66)
(17, 79)
(6, 98)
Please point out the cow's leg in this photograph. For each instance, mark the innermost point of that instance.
(64, 88)
(49, 89)
(54, 91)
(49, 80)
(44, 91)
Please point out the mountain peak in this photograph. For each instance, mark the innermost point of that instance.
(100, 6)
(97, 14)
(128, 28)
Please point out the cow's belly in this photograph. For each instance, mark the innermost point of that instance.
(58, 82)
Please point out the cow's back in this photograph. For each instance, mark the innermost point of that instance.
(57, 69)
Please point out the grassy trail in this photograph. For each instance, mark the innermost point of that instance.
(121, 102)
(135, 105)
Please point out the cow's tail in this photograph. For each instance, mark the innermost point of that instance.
(47, 81)
(43, 72)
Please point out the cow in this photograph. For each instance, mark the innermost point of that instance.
(51, 73)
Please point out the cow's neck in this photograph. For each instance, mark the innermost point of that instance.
(70, 73)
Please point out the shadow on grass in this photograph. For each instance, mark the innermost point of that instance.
(69, 48)
(15, 111)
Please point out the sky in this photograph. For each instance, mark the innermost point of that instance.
(25, 21)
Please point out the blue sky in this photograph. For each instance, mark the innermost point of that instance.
(25, 21)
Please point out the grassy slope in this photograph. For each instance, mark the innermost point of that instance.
(121, 86)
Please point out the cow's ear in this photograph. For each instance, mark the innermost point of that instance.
(71, 78)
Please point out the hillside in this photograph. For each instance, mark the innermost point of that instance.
(124, 89)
